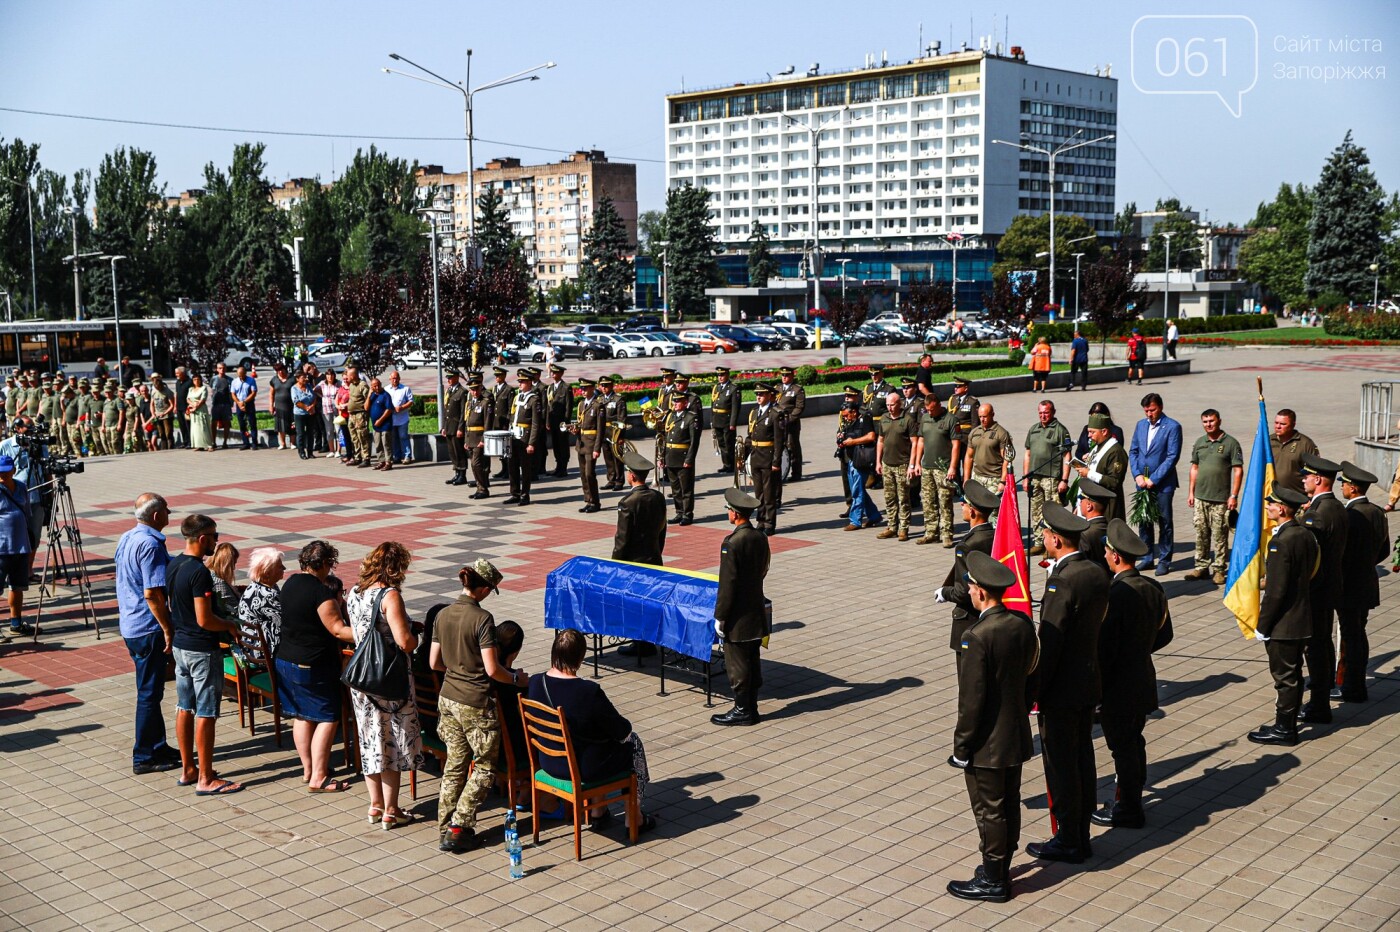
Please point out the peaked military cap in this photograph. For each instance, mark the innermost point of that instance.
(499, 370)
(989, 573)
(1356, 475)
(587, 383)
(1123, 541)
(1059, 519)
(722, 370)
(556, 368)
(785, 370)
(762, 387)
(981, 497)
(740, 500)
(1314, 465)
(1095, 492)
(1286, 496)
(637, 463)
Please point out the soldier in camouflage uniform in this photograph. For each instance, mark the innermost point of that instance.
(935, 452)
(112, 412)
(1217, 469)
(71, 441)
(134, 439)
(1045, 464)
(990, 451)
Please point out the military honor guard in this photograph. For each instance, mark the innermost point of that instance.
(526, 430)
(1285, 612)
(792, 399)
(1368, 543)
(615, 414)
(502, 404)
(680, 445)
(641, 529)
(992, 739)
(479, 416)
(453, 429)
(978, 507)
(873, 395)
(765, 445)
(741, 613)
(558, 402)
(1138, 622)
(725, 403)
(1105, 463)
(1325, 516)
(964, 405)
(590, 431)
(1093, 502)
(1071, 613)
(537, 462)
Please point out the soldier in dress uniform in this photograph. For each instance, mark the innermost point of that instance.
(453, 430)
(1071, 613)
(502, 404)
(1106, 463)
(964, 404)
(792, 398)
(680, 442)
(1138, 622)
(537, 462)
(641, 516)
(559, 401)
(527, 428)
(725, 403)
(668, 385)
(614, 413)
(1285, 612)
(1368, 543)
(1093, 501)
(873, 396)
(591, 431)
(978, 507)
(479, 413)
(1326, 518)
(741, 616)
(992, 738)
(765, 442)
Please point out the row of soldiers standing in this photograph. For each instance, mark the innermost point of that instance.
(83, 418)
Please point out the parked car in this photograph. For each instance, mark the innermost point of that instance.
(594, 328)
(652, 344)
(743, 337)
(682, 347)
(640, 322)
(872, 335)
(622, 348)
(580, 346)
(328, 355)
(802, 335)
(897, 331)
(533, 349)
(936, 334)
(709, 342)
(888, 316)
(779, 338)
(237, 353)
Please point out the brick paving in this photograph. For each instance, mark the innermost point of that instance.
(836, 812)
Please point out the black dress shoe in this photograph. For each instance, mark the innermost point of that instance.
(1336, 694)
(1055, 850)
(155, 765)
(458, 839)
(476, 495)
(687, 520)
(980, 888)
(1358, 695)
(1272, 734)
(560, 474)
(524, 500)
(675, 519)
(769, 531)
(513, 500)
(1116, 817)
(735, 716)
(1315, 714)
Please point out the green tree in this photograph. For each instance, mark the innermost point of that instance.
(1028, 235)
(314, 220)
(360, 311)
(1390, 253)
(1275, 253)
(238, 227)
(1111, 292)
(506, 286)
(1185, 239)
(762, 266)
(53, 236)
(651, 229)
(927, 303)
(608, 276)
(19, 166)
(690, 257)
(127, 204)
(1344, 237)
(845, 314)
(1123, 220)
(374, 203)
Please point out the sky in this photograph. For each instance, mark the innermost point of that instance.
(1279, 84)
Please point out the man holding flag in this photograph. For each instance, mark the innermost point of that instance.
(979, 505)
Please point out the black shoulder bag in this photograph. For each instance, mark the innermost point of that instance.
(377, 668)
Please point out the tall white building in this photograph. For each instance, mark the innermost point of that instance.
(903, 154)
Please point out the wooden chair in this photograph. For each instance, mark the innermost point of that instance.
(545, 724)
(426, 687)
(236, 673)
(262, 683)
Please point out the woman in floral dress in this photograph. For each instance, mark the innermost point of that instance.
(390, 741)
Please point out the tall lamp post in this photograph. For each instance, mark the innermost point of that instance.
(468, 94)
(1167, 289)
(665, 284)
(33, 275)
(432, 213)
(295, 251)
(1052, 153)
(1077, 257)
(116, 305)
(72, 213)
(1375, 269)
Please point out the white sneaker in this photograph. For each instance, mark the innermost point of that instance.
(331, 455)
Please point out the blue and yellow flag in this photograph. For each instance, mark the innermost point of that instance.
(1252, 532)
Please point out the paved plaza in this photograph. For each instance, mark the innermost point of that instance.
(838, 811)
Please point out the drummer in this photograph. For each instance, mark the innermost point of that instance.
(480, 418)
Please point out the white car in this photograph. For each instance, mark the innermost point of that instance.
(328, 355)
(802, 335)
(621, 348)
(534, 351)
(652, 344)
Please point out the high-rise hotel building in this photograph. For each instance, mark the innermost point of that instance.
(903, 154)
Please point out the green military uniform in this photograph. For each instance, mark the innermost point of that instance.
(1213, 462)
(357, 409)
(873, 395)
(680, 443)
(478, 416)
(502, 403)
(131, 413)
(1368, 543)
(1047, 446)
(72, 439)
(641, 518)
(11, 399)
(725, 404)
(935, 460)
(964, 404)
(1288, 459)
(592, 434)
(89, 418)
(740, 611)
(896, 435)
(991, 448)
(32, 398)
(765, 444)
(615, 418)
(112, 412)
(527, 433)
(50, 408)
(792, 399)
(452, 428)
(1326, 518)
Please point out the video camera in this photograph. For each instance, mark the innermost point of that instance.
(36, 440)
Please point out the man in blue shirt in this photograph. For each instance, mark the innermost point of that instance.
(144, 616)
(15, 548)
(1078, 362)
(245, 398)
(29, 469)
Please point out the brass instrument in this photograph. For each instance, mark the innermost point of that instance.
(617, 439)
(653, 416)
(743, 479)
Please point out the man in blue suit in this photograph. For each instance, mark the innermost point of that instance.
(1152, 460)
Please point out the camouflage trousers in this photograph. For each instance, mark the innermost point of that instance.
(471, 734)
(112, 437)
(993, 484)
(1043, 489)
(1212, 534)
(361, 436)
(71, 440)
(897, 508)
(938, 504)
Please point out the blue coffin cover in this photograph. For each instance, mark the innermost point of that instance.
(673, 608)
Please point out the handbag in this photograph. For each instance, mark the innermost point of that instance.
(377, 669)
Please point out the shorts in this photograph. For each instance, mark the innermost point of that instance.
(199, 681)
(311, 694)
(14, 571)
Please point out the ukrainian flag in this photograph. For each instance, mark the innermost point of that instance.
(1252, 532)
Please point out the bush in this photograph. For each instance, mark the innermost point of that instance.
(1063, 331)
(1368, 325)
(806, 375)
(1017, 356)
(833, 362)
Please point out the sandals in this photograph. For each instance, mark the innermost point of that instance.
(375, 814)
(220, 787)
(329, 786)
(396, 816)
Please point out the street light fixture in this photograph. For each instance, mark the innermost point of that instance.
(9, 318)
(468, 94)
(432, 213)
(33, 275)
(1052, 153)
(665, 284)
(72, 213)
(295, 250)
(116, 307)
(1375, 269)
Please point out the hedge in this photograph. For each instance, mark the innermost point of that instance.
(1368, 325)
(1063, 331)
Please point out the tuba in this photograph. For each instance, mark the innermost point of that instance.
(653, 416)
(617, 439)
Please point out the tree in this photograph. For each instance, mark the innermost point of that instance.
(690, 257)
(761, 264)
(238, 228)
(927, 303)
(19, 164)
(844, 315)
(314, 220)
(1185, 239)
(255, 314)
(127, 203)
(361, 312)
(505, 292)
(1029, 235)
(1111, 291)
(607, 271)
(376, 225)
(1275, 253)
(651, 229)
(199, 345)
(1017, 293)
(1344, 236)
(1123, 220)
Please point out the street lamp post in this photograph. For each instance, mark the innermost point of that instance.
(665, 284)
(1167, 290)
(295, 250)
(116, 305)
(468, 97)
(437, 309)
(72, 213)
(1052, 153)
(1077, 257)
(33, 275)
(1375, 269)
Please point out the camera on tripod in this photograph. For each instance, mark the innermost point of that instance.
(36, 440)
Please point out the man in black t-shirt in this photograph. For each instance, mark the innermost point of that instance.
(199, 670)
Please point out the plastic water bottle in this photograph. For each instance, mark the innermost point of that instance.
(513, 849)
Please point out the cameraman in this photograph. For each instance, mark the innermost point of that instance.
(29, 457)
(16, 552)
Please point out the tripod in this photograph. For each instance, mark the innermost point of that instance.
(70, 563)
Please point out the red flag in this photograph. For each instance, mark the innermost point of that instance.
(1009, 548)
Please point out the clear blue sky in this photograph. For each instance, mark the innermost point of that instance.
(314, 67)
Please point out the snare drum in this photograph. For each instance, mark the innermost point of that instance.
(497, 442)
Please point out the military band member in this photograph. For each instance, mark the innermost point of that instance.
(526, 429)
(537, 462)
(680, 440)
(1045, 465)
(874, 394)
(792, 398)
(894, 448)
(725, 403)
(990, 451)
(936, 450)
(1093, 502)
(979, 505)
(992, 737)
(453, 429)
(1285, 612)
(479, 413)
(1138, 622)
(1368, 543)
(591, 431)
(1071, 614)
(668, 385)
(964, 404)
(1106, 462)
(1217, 469)
(1326, 518)
(615, 413)
(559, 402)
(693, 403)
(765, 442)
(741, 616)
(641, 516)
(502, 404)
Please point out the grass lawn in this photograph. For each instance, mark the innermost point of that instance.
(1286, 335)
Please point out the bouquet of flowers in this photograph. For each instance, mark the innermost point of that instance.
(1144, 509)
